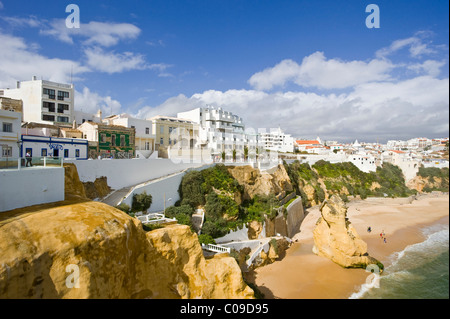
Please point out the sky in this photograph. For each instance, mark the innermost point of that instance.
(313, 68)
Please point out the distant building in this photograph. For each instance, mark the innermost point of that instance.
(365, 162)
(47, 146)
(222, 132)
(109, 141)
(44, 101)
(9, 104)
(276, 140)
(9, 135)
(144, 138)
(172, 132)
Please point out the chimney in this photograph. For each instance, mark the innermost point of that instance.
(99, 115)
(74, 124)
(18, 84)
(34, 78)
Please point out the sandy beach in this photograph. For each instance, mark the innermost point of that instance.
(303, 275)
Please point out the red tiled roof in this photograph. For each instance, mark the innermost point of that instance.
(398, 152)
(305, 142)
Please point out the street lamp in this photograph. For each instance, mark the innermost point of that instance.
(19, 161)
(169, 199)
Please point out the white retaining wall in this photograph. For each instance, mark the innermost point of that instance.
(30, 186)
(127, 172)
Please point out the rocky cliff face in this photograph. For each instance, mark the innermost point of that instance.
(257, 183)
(422, 184)
(335, 237)
(43, 251)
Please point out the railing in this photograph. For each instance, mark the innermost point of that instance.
(36, 161)
(216, 248)
(155, 218)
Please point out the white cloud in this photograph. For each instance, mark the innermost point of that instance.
(371, 111)
(111, 62)
(91, 102)
(18, 61)
(95, 33)
(31, 21)
(1, 5)
(415, 44)
(428, 67)
(316, 71)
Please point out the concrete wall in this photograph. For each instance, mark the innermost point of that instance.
(164, 188)
(128, 172)
(295, 216)
(30, 186)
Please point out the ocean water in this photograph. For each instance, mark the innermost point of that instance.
(420, 271)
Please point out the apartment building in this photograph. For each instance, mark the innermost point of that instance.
(276, 140)
(222, 132)
(44, 101)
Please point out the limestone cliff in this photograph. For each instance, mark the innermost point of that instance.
(115, 257)
(336, 238)
(424, 184)
(261, 183)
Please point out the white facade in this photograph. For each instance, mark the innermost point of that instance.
(365, 162)
(44, 101)
(45, 146)
(276, 140)
(407, 164)
(81, 117)
(10, 128)
(221, 131)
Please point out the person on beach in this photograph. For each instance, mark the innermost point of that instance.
(369, 229)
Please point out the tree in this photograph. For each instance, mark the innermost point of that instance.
(246, 152)
(141, 202)
(234, 155)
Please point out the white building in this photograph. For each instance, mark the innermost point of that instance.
(276, 141)
(81, 117)
(10, 128)
(407, 164)
(365, 162)
(144, 138)
(220, 131)
(44, 101)
(47, 146)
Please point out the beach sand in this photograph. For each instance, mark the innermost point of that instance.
(304, 275)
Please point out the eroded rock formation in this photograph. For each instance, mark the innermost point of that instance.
(257, 183)
(115, 257)
(336, 238)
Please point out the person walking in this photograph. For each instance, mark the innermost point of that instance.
(28, 157)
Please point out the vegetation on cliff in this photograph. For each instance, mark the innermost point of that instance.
(437, 179)
(220, 194)
(317, 182)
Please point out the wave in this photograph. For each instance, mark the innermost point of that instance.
(405, 262)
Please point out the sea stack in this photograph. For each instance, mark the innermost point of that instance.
(336, 238)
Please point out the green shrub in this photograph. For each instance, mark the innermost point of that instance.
(123, 207)
(141, 202)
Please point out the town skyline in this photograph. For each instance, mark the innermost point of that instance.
(264, 62)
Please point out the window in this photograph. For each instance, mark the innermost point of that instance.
(6, 151)
(66, 153)
(77, 153)
(161, 141)
(63, 107)
(50, 93)
(147, 146)
(113, 140)
(43, 152)
(161, 129)
(147, 130)
(63, 119)
(46, 117)
(170, 130)
(102, 138)
(122, 140)
(50, 106)
(62, 95)
(7, 127)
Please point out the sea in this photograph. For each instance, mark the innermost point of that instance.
(420, 271)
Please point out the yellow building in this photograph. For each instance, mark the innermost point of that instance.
(173, 132)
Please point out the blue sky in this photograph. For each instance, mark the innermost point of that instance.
(312, 67)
